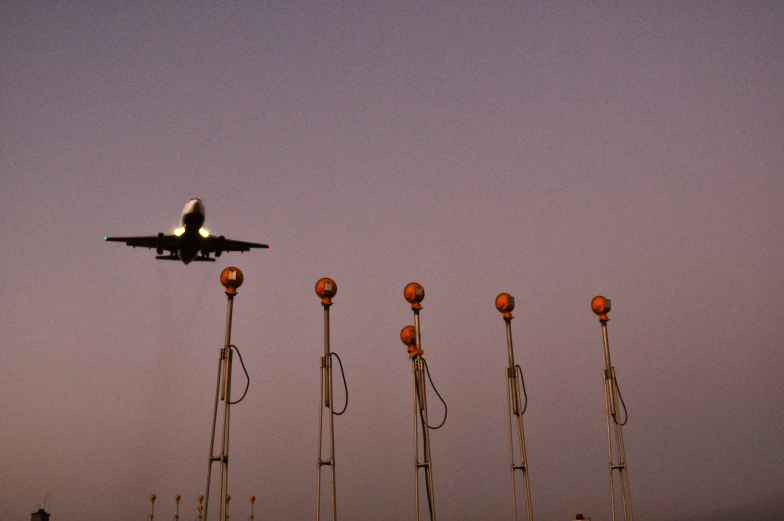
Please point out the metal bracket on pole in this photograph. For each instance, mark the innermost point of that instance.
(505, 304)
(601, 306)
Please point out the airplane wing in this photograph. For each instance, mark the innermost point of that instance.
(160, 241)
(221, 244)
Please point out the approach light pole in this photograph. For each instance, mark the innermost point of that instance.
(326, 289)
(414, 294)
(601, 306)
(504, 303)
(231, 278)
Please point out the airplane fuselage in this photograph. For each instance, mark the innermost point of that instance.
(191, 222)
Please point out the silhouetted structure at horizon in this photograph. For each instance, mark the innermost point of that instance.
(41, 515)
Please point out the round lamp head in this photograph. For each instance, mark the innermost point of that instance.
(600, 306)
(231, 278)
(200, 498)
(326, 289)
(252, 499)
(177, 498)
(152, 498)
(414, 294)
(408, 335)
(505, 304)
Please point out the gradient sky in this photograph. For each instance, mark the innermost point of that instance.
(554, 152)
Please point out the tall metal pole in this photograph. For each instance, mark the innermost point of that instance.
(505, 304)
(601, 306)
(252, 501)
(326, 289)
(414, 293)
(151, 517)
(223, 488)
(231, 278)
(177, 510)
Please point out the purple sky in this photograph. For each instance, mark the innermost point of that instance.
(554, 153)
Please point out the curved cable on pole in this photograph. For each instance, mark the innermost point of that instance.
(625, 412)
(345, 385)
(247, 385)
(427, 370)
(522, 383)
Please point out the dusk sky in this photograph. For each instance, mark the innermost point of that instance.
(554, 151)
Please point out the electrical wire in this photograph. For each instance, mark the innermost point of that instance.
(625, 412)
(345, 385)
(427, 370)
(247, 385)
(525, 394)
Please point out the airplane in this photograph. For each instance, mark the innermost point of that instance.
(189, 242)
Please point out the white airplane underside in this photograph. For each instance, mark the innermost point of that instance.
(190, 242)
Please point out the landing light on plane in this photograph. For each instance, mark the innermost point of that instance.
(204, 233)
(179, 231)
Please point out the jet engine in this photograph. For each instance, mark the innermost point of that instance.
(219, 246)
(159, 244)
